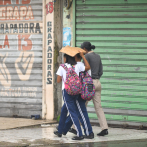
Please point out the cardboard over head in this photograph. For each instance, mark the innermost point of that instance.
(71, 51)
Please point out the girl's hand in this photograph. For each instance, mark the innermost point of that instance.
(87, 66)
(81, 53)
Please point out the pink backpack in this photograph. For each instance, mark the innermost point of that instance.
(72, 82)
(88, 88)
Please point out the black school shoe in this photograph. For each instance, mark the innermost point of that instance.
(78, 138)
(71, 130)
(91, 136)
(103, 132)
(58, 134)
(62, 132)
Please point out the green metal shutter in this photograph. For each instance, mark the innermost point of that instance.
(118, 29)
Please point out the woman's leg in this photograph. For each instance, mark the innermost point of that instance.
(97, 105)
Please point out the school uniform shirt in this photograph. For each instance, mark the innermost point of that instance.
(89, 71)
(61, 71)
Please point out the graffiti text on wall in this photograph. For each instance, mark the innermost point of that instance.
(20, 28)
(17, 45)
(19, 39)
(24, 61)
(5, 77)
(49, 8)
(49, 53)
(19, 92)
(15, 12)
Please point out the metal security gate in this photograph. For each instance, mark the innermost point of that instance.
(20, 57)
(118, 29)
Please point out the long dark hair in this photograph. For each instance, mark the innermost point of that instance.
(88, 46)
(70, 60)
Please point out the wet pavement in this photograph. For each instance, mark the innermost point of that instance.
(130, 143)
(44, 136)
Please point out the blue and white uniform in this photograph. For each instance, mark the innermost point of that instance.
(70, 104)
(82, 115)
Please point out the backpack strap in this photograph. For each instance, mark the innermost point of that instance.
(66, 69)
(73, 67)
(64, 66)
(82, 75)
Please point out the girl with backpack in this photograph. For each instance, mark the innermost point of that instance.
(96, 72)
(82, 114)
(69, 99)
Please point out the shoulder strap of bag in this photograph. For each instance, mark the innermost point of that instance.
(82, 75)
(64, 66)
(73, 67)
(66, 69)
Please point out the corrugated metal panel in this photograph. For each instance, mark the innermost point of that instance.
(118, 29)
(20, 57)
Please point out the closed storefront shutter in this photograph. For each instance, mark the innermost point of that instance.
(118, 29)
(20, 57)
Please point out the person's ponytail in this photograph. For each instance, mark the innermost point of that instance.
(93, 47)
(87, 46)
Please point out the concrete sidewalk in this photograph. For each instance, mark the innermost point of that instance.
(41, 136)
(11, 123)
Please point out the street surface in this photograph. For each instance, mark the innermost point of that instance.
(130, 143)
(43, 136)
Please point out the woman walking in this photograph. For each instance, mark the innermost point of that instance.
(70, 100)
(96, 72)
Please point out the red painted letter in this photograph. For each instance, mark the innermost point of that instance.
(25, 38)
(6, 42)
(26, 1)
(1, 2)
(29, 43)
(17, 1)
(51, 7)
(7, 2)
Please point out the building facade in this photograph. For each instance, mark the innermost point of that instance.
(118, 29)
(33, 31)
(30, 40)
